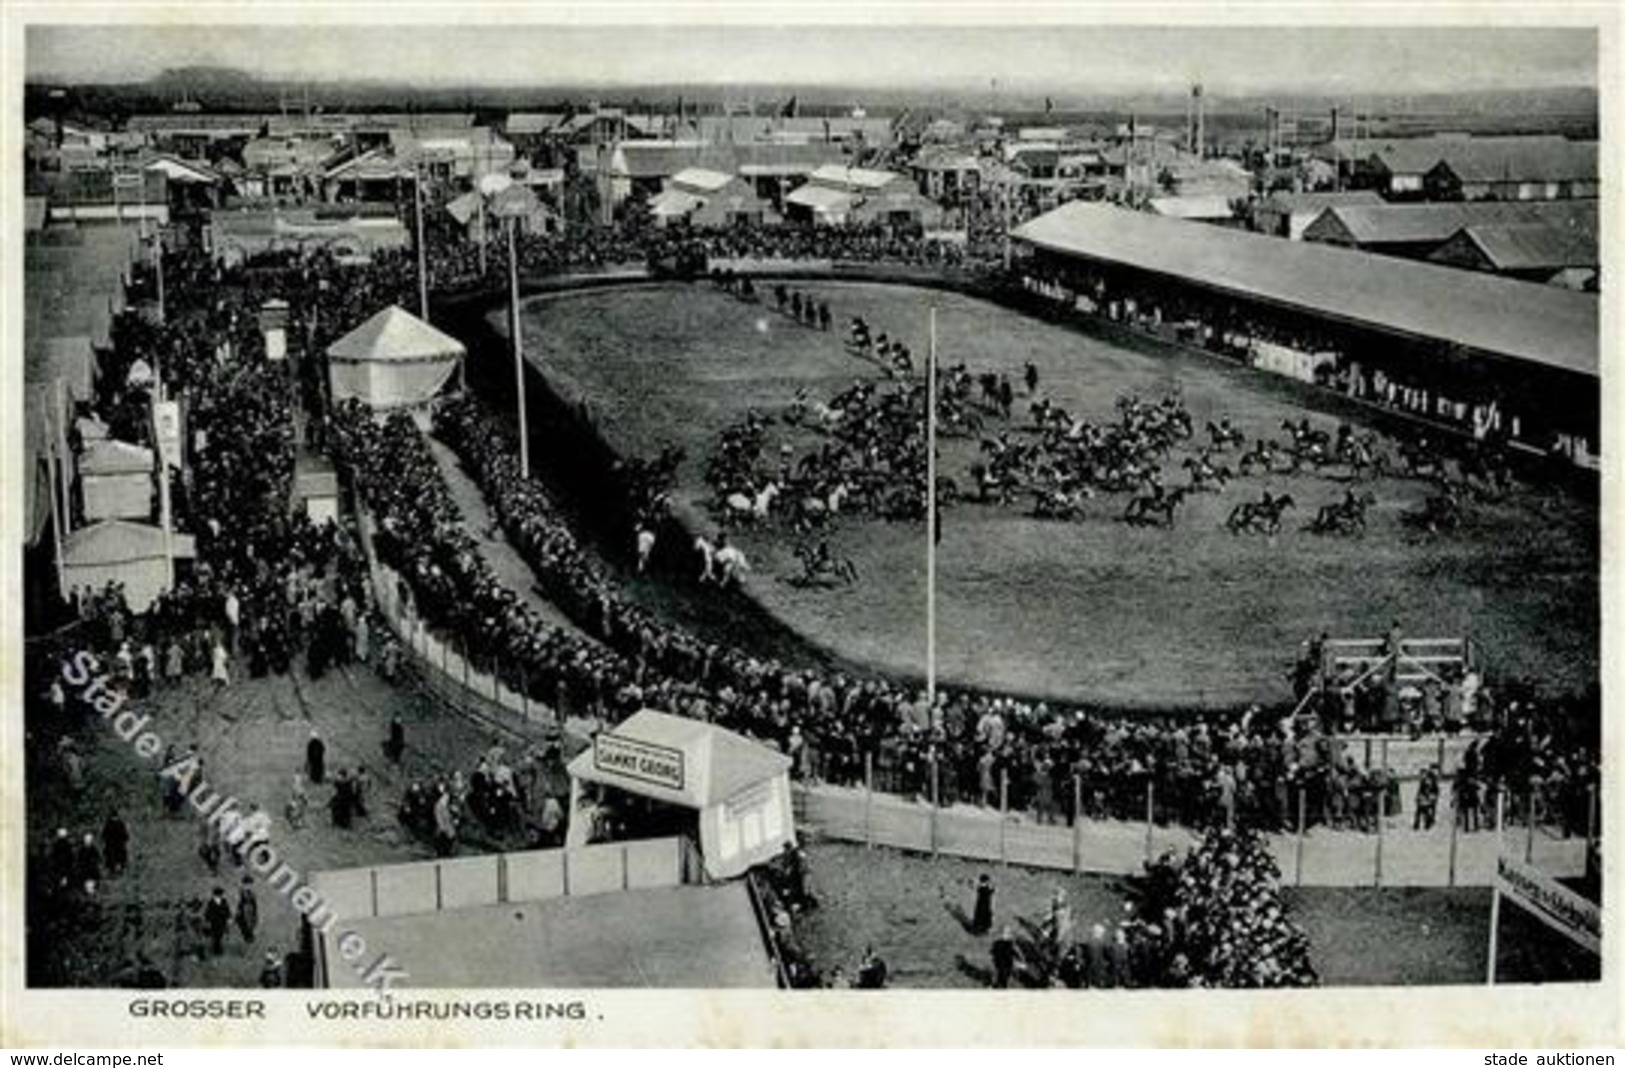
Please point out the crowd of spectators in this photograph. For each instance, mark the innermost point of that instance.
(1220, 917)
(1052, 762)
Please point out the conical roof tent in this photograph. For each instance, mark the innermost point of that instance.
(394, 335)
(392, 360)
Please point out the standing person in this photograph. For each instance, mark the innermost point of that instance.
(342, 803)
(396, 743)
(1427, 799)
(216, 917)
(981, 915)
(220, 670)
(1031, 375)
(360, 787)
(233, 613)
(445, 825)
(1060, 922)
(248, 909)
(1004, 958)
(315, 758)
(115, 844)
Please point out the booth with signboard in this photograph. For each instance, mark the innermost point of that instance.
(665, 774)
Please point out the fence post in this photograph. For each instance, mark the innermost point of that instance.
(1529, 824)
(1455, 829)
(1303, 805)
(868, 799)
(1382, 820)
(1078, 823)
(1150, 817)
(936, 801)
(1591, 824)
(1004, 811)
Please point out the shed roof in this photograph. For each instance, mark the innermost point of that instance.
(1399, 224)
(118, 541)
(1539, 324)
(1526, 247)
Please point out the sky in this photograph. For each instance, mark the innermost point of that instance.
(1105, 58)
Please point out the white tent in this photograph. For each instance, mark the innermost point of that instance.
(128, 553)
(393, 360)
(739, 788)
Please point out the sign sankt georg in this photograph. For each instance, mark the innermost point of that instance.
(657, 765)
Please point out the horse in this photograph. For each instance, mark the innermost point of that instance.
(818, 509)
(743, 506)
(1343, 517)
(1262, 515)
(1057, 504)
(1303, 435)
(1143, 509)
(1223, 435)
(1261, 455)
(731, 565)
(1439, 513)
(1206, 477)
(817, 561)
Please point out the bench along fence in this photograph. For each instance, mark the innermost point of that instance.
(1386, 846)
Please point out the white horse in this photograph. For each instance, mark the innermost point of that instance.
(732, 563)
(745, 506)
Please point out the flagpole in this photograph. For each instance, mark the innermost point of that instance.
(58, 511)
(423, 254)
(931, 523)
(62, 471)
(518, 359)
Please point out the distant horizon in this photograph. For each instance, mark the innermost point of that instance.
(1109, 60)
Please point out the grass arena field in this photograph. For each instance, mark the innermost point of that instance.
(1091, 609)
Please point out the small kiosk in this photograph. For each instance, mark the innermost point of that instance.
(666, 774)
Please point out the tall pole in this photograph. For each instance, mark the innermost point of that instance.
(518, 359)
(931, 521)
(58, 455)
(1495, 892)
(423, 252)
(63, 412)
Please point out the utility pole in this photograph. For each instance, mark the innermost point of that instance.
(423, 252)
(518, 350)
(931, 520)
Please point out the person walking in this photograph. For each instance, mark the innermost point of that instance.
(395, 745)
(248, 909)
(981, 915)
(315, 758)
(216, 918)
(1004, 958)
(115, 844)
